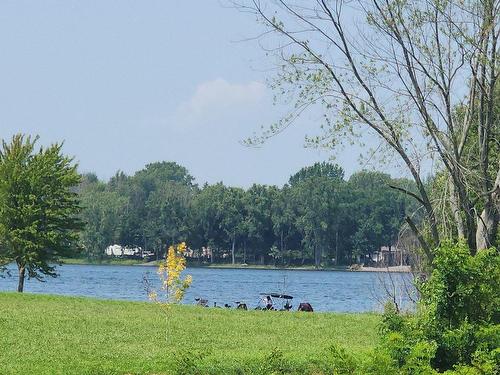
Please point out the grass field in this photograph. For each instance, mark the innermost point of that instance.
(43, 334)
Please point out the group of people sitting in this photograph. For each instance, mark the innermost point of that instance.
(266, 301)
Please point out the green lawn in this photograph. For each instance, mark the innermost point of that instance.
(42, 334)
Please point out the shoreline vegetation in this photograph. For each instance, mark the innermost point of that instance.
(119, 337)
(318, 216)
(137, 262)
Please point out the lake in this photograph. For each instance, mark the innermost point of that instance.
(340, 291)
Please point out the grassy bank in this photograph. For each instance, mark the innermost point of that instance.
(132, 262)
(135, 262)
(43, 334)
(105, 261)
(267, 267)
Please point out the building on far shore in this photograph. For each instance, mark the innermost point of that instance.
(388, 256)
(126, 252)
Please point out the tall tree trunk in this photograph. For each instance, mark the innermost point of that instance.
(487, 225)
(22, 274)
(244, 252)
(487, 222)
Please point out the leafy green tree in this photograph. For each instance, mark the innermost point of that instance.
(231, 214)
(394, 78)
(207, 219)
(153, 193)
(38, 206)
(259, 201)
(318, 217)
(323, 169)
(283, 215)
(104, 214)
(155, 174)
(167, 214)
(317, 195)
(379, 211)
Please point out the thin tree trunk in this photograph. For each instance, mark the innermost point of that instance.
(337, 247)
(232, 249)
(456, 209)
(282, 248)
(281, 242)
(487, 224)
(22, 274)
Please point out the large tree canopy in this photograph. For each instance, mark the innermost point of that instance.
(38, 207)
(420, 75)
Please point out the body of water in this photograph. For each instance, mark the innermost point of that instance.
(325, 290)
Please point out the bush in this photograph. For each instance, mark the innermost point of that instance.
(380, 363)
(456, 328)
(462, 287)
(392, 320)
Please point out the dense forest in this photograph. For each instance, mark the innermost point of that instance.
(318, 217)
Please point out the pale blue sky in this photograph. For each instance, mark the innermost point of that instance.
(125, 83)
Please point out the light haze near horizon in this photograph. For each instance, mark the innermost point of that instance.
(128, 83)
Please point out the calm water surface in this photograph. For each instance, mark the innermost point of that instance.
(325, 290)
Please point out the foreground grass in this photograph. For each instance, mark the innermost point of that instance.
(43, 334)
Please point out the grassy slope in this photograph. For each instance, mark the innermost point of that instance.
(41, 334)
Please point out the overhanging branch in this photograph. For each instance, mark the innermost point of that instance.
(421, 239)
(408, 193)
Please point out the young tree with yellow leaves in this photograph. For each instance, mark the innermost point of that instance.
(173, 286)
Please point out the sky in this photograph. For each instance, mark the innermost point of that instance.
(126, 83)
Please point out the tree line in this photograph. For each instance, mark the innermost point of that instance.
(319, 217)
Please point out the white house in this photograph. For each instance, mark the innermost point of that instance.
(118, 251)
(114, 250)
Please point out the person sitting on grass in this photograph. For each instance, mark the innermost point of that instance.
(269, 303)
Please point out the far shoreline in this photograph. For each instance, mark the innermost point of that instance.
(238, 266)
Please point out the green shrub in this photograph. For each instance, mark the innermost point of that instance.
(392, 319)
(380, 363)
(419, 359)
(462, 288)
(456, 326)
